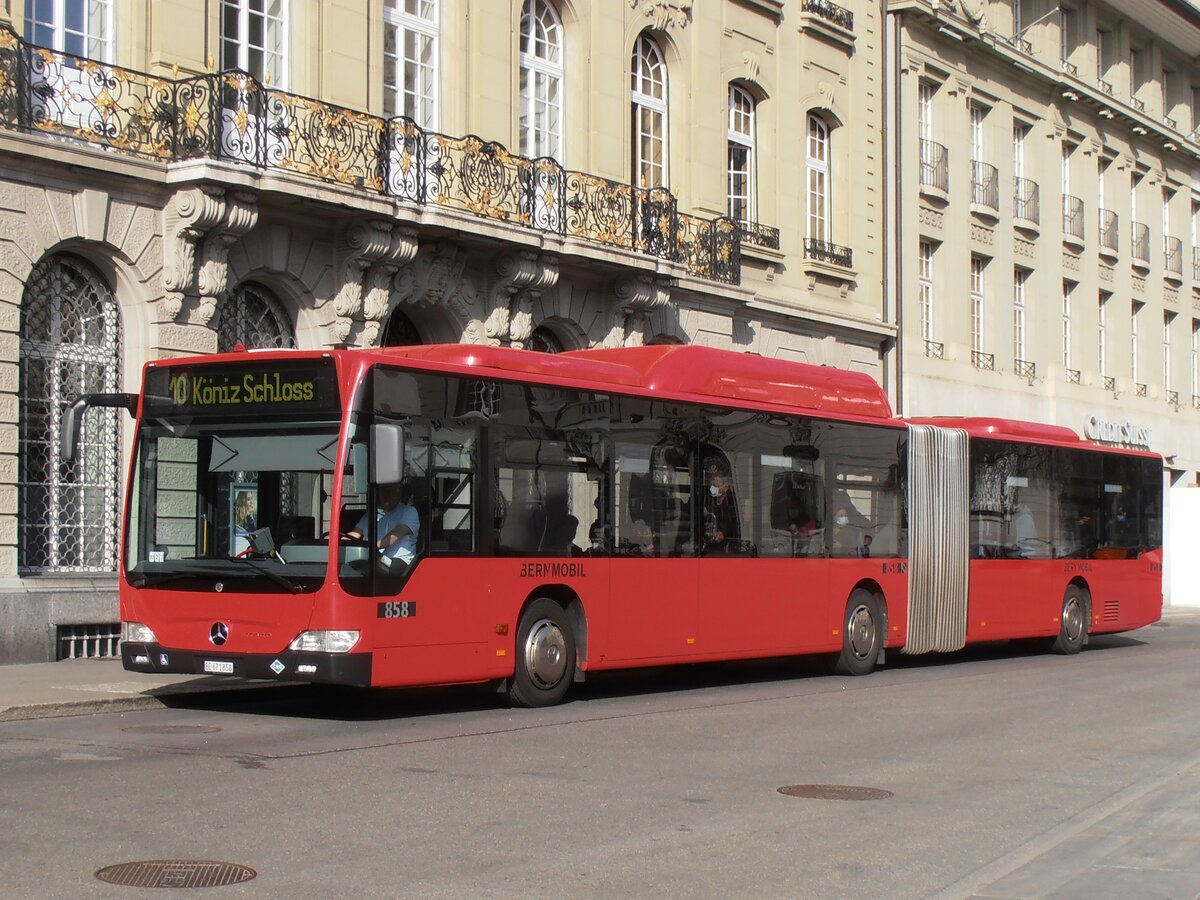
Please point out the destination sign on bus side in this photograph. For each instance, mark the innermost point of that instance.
(282, 387)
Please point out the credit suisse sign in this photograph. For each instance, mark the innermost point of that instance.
(1126, 433)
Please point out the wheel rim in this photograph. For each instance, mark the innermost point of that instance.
(1072, 619)
(545, 653)
(860, 628)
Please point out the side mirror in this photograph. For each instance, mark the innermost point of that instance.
(387, 453)
(72, 417)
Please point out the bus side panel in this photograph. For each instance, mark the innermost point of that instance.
(1012, 598)
(1126, 594)
(890, 575)
(753, 606)
(649, 614)
(444, 626)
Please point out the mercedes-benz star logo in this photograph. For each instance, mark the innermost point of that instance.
(218, 634)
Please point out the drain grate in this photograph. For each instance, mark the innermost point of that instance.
(175, 873)
(834, 792)
(171, 729)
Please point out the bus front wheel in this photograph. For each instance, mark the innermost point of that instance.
(545, 663)
(861, 635)
(1072, 629)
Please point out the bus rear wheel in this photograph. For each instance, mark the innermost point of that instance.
(1072, 629)
(861, 635)
(545, 663)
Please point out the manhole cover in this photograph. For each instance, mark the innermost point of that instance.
(175, 873)
(172, 729)
(834, 792)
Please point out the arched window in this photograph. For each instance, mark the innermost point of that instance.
(68, 512)
(648, 105)
(817, 167)
(253, 317)
(741, 155)
(401, 331)
(541, 81)
(543, 340)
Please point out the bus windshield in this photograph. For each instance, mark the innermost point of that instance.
(218, 499)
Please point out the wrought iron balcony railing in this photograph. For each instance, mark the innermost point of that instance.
(1072, 217)
(1141, 243)
(1074, 376)
(985, 185)
(1110, 383)
(1173, 256)
(1069, 67)
(1025, 369)
(1109, 235)
(1137, 104)
(1173, 399)
(231, 116)
(1104, 86)
(827, 252)
(1017, 42)
(829, 11)
(1196, 264)
(935, 166)
(1139, 389)
(1195, 401)
(935, 349)
(760, 235)
(981, 360)
(1026, 205)
(1170, 123)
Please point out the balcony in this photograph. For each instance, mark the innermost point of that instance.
(1072, 220)
(935, 169)
(1069, 67)
(825, 252)
(1025, 369)
(1074, 376)
(1195, 265)
(1110, 384)
(232, 118)
(935, 350)
(1137, 104)
(1139, 389)
(1104, 87)
(1173, 399)
(1172, 258)
(759, 235)
(830, 12)
(1170, 123)
(985, 189)
(985, 361)
(1141, 245)
(1026, 204)
(1110, 239)
(1018, 43)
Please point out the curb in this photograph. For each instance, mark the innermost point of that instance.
(155, 699)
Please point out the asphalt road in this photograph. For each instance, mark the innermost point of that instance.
(1012, 774)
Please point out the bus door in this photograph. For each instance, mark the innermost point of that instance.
(651, 608)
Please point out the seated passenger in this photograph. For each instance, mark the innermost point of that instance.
(396, 523)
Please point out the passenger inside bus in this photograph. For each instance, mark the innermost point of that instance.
(721, 528)
(396, 523)
(845, 535)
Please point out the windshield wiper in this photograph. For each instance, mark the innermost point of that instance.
(285, 583)
(141, 579)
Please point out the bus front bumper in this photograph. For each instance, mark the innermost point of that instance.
(290, 665)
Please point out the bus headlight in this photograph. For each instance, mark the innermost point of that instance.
(325, 641)
(137, 633)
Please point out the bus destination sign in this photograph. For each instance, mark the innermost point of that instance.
(241, 390)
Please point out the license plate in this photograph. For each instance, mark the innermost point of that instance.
(218, 666)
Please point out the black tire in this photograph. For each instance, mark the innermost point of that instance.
(1073, 623)
(862, 635)
(545, 656)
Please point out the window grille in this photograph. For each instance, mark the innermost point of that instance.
(252, 317)
(70, 345)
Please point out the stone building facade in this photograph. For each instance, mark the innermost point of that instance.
(181, 176)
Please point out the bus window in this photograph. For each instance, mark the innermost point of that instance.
(1078, 480)
(864, 492)
(1013, 509)
(652, 488)
(792, 470)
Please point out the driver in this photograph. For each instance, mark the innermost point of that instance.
(396, 523)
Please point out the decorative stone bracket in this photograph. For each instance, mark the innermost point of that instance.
(367, 254)
(636, 298)
(210, 220)
(521, 278)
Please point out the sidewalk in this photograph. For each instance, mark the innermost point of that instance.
(77, 687)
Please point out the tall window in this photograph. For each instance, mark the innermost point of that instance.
(977, 115)
(1067, 150)
(925, 274)
(78, 27)
(541, 81)
(740, 168)
(925, 110)
(817, 166)
(1102, 44)
(1167, 197)
(253, 317)
(1020, 277)
(978, 265)
(410, 60)
(1168, 320)
(1102, 332)
(1195, 359)
(1066, 33)
(1020, 136)
(1068, 289)
(70, 344)
(1133, 339)
(254, 39)
(648, 97)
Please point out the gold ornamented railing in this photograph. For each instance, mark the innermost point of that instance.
(233, 117)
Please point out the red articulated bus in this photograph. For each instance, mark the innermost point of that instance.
(537, 517)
